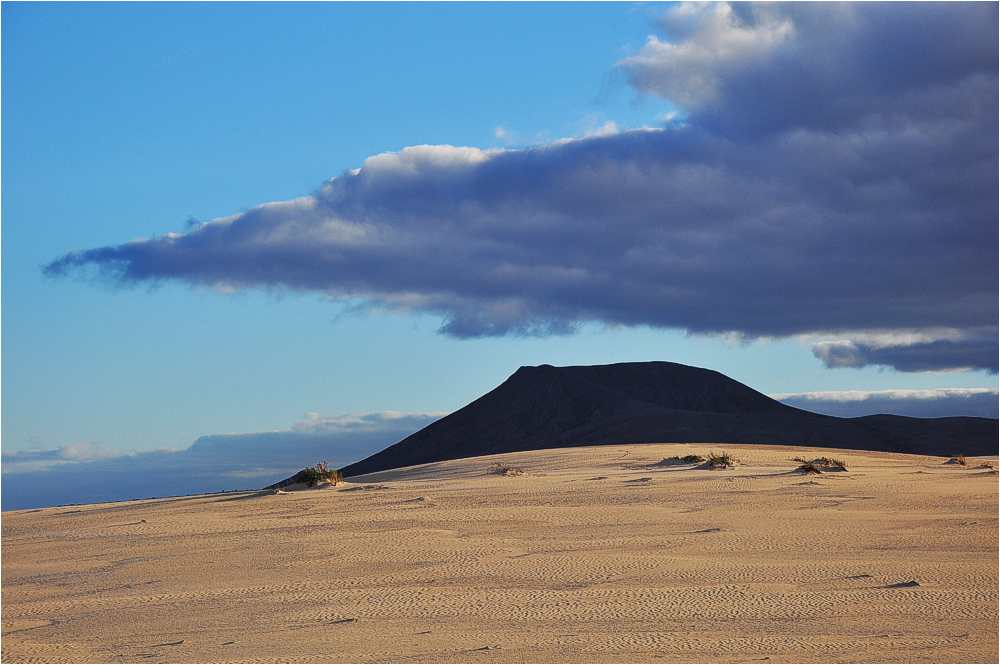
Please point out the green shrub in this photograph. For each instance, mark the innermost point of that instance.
(722, 459)
(692, 459)
(319, 474)
(309, 476)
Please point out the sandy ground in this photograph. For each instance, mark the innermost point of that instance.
(595, 555)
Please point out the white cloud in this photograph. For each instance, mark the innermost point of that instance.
(692, 71)
(930, 403)
(420, 158)
(87, 450)
(318, 423)
(20, 461)
(901, 394)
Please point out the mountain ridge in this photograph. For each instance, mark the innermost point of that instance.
(658, 402)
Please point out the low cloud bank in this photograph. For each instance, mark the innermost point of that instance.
(971, 350)
(21, 461)
(936, 403)
(92, 473)
(832, 173)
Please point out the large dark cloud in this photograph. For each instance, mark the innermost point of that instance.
(834, 173)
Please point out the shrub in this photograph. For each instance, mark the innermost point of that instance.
(809, 467)
(959, 459)
(722, 459)
(799, 459)
(319, 474)
(834, 464)
(505, 470)
(309, 476)
(677, 459)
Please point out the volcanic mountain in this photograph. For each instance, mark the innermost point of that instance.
(659, 402)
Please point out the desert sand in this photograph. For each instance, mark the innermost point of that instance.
(606, 554)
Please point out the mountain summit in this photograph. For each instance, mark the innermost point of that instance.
(658, 402)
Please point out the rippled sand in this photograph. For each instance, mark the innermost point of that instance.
(594, 555)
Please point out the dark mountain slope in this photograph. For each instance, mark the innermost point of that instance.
(557, 407)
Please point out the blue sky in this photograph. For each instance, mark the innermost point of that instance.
(809, 207)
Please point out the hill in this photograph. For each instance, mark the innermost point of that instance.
(556, 407)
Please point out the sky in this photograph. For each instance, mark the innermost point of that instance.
(236, 237)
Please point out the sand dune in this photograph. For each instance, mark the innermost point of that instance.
(605, 554)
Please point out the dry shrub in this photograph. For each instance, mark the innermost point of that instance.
(834, 464)
(809, 467)
(505, 470)
(959, 459)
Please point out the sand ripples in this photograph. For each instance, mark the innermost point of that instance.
(689, 565)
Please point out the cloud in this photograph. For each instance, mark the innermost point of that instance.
(694, 72)
(317, 424)
(339, 440)
(748, 69)
(832, 172)
(935, 403)
(41, 460)
(936, 356)
(91, 473)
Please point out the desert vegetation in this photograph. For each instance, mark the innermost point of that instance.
(722, 459)
(677, 459)
(321, 473)
(959, 459)
(820, 465)
(833, 464)
(499, 469)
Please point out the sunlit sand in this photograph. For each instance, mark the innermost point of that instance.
(607, 554)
